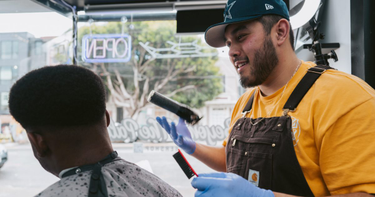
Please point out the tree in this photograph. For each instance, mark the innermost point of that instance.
(190, 81)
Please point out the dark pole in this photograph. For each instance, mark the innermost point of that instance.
(362, 39)
(75, 35)
(75, 28)
(369, 30)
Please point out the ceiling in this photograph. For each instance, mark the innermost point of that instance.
(103, 6)
(124, 6)
(107, 10)
(80, 4)
(97, 6)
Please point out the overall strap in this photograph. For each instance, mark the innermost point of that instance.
(303, 86)
(249, 104)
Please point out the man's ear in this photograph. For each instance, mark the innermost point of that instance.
(282, 31)
(107, 117)
(38, 143)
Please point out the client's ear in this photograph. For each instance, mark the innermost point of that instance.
(107, 117)
(38, 143)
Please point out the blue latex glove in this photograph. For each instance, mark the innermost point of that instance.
(180, 135)
(226, 184)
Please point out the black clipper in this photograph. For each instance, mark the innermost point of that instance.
(173, 106)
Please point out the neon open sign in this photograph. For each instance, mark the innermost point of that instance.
(106, 48)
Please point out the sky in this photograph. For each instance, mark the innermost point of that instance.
(42, 24)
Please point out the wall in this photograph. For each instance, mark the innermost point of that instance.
(336, 28)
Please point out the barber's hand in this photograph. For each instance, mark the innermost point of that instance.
(180, 135)
(226, 184)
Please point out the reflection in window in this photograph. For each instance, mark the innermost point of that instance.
(180, 67)
(120, 114)
(4, 96)
(38, 48)
(5, 73)
(159, 112)
(218, 115)
(9, 49)
(59, 54)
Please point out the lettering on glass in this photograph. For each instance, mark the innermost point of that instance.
(106, 48)
(129, 131)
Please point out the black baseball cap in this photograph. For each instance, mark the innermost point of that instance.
(237, 11)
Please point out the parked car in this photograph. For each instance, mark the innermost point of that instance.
(3, 155)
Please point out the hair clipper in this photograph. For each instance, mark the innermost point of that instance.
(180, 110)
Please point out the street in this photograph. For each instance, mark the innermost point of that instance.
(22, 175)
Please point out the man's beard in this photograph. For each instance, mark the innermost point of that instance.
(265, 60)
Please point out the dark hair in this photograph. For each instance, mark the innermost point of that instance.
(63, 95)
(269, 21)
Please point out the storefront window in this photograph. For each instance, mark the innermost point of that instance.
(135, 54)
(9, 49)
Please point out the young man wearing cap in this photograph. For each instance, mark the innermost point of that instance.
(62, 108)
(317, 141)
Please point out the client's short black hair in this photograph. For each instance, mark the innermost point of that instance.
(63, 95)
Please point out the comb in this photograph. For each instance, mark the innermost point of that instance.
(184, 164)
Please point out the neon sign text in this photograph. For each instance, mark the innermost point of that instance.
(106, 48)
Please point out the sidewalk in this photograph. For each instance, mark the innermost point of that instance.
(14, 145)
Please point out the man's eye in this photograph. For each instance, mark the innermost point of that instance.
(240, 37)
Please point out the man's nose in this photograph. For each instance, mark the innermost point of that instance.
(234, 51)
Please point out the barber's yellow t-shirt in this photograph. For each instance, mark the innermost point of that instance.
(334, 129)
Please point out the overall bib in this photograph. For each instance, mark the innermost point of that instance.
(261, 150)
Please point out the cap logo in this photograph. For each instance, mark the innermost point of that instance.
(268, 6)
(227, 13)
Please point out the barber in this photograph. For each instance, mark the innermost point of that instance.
(299, 130)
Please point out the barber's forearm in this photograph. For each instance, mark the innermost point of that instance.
(343, 195)
(214, 157)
